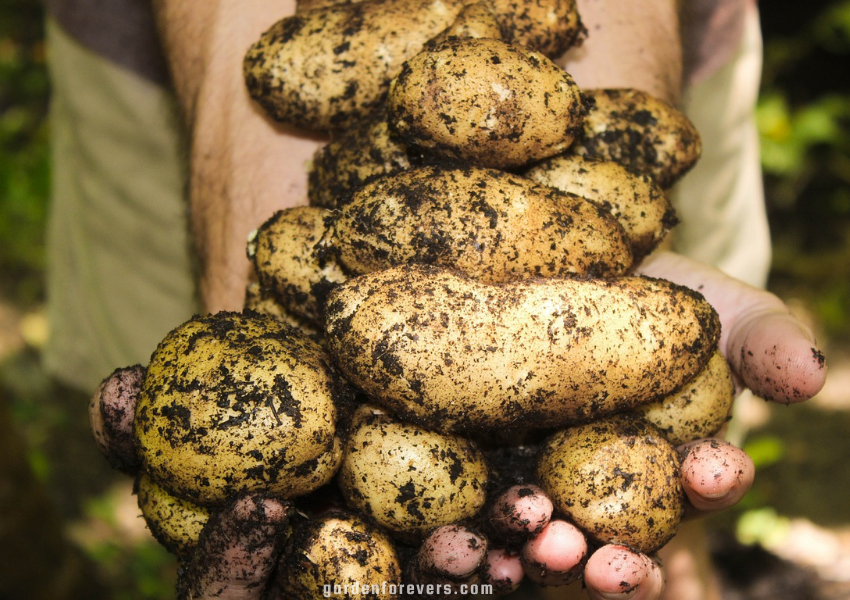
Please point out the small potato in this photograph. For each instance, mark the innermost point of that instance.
(638, 203)
(639, 131)
(239, 403)
(292, 242)
(322, 69)
(339, 555)
(453, 355)
(484, 101)
(550, 28)
(351, 158)
(474, 21)
(175, 523)
(410, 480)
(617, 479)
(698, 410)
(264, 301)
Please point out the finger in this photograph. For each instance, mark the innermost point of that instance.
(715, 474)
(237, 552)
(504, 571)
(615, 572)
(521, 511)
(556, 555)
(772, 352)
(111, 412)
(450, 556)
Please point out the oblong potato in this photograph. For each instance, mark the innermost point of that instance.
(453, 355)
(474, 21)
(322, 69)
(638, 203)
(639, 131)
(339, 554)
(698, 410)
(407, 479)
(488, 224)
(175, 523)
(238, 403)
(617, 479)
(485, 101)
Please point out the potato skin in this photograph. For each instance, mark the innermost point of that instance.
(550, 27)
(175, 523)
(617, 479)
(638, 203)
(341, 549)
(410, 480)
(324, 68)
(699, 409)
(488, 224)
(484, 101)
(639, 131)
(453, 355)
(238, 403)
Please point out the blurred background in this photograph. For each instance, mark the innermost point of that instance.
(68, 523)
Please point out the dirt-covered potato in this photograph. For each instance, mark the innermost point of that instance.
(351, 158)
(639, 131)
(291, 242)
(474, 21)
(617, 479)
(450, 354)
(485, 101)
(265, 301)
(488, 224)
(550, 27)
(407, 479)
(324, 68)
(339, 555)
(698, 410)
(638, 203)
(236, 403)
(175, 523)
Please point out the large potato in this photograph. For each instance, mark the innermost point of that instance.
(339, 554)
(484, 101)
(453, 355)
(322, 69)
(617, 479)
(410, 480)
(639, 131)
(638, 203)
(235, 403)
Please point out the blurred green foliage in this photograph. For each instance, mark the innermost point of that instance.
(24, 150)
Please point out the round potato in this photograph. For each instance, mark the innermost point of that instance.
(475, 21)
(238, 403)
(485, 101)
(339, 554)
(550, 28)
(639, 131)
(451, 354)
(617, 479)
(410, 480)
(264, 301)
(638, 203)
(175, 523)
(323, 69)
(698, 410)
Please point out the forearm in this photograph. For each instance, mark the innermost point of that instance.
(630, 43)
(242, 167)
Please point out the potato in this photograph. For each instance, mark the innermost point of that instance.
(324, 68)
(489, 224)
(638, 203)
(617, 479)
(407, 479)
(484, 101)
(474, 21)
(550, 27)
(238, 403)
(351, 158)
(336, 555)
(698, 410)
(175, 523)
(453, 355)
(292, 242)
(264, 301)
(639, 131)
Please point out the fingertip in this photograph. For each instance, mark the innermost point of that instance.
(521, 510)
(615, 572)
(453, 551)
(111, 415)
(504, 570)
(715, 474)
(555, 555)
